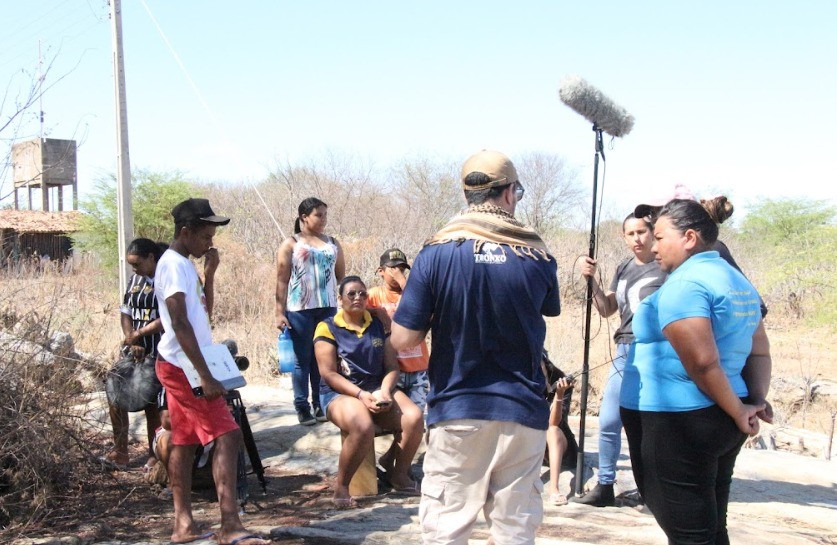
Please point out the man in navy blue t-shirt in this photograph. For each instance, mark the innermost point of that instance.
(482, 284)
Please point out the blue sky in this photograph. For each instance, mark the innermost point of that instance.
(729, 97)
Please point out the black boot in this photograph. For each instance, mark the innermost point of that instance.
(600, 496)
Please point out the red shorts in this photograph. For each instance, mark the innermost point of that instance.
(194, 420)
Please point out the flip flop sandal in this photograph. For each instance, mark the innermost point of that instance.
(345, 503)
(414, 490)
(203, 537)
(557, 499)
(245, 537)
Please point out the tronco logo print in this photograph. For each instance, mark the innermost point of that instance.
(490, 253)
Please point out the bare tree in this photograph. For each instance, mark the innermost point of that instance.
(23, 91)
(428, 195)
(356, 200)
(553, 191)
(370, 211)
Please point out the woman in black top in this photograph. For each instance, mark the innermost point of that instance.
(141, 328)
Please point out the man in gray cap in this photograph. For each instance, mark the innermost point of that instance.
(482, 284)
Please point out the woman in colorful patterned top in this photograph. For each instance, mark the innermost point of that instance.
(309, 265)
(141, 328)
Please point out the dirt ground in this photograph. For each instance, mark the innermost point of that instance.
(777, 497)
(775, 501)
(126, 506)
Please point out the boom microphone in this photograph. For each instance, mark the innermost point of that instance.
(597, 108)
(615, 121)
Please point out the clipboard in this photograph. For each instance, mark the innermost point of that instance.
(220, 363)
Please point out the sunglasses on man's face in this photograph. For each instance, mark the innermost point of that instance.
(518, 189)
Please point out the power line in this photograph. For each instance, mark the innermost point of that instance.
(209, 112)
(23, 48)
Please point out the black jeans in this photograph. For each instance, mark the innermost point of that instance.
(682, 463)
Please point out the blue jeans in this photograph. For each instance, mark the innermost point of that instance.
(303, 324)
(610, 423)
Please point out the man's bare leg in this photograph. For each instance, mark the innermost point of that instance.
(412, 432)
(225, 473)
(180, 480)
(408, 418)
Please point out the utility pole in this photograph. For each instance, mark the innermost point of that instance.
(44, 187)
(125, 216)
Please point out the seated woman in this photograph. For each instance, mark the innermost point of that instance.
(359, 370)
(561, 446)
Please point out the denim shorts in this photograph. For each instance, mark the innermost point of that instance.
(326, 399)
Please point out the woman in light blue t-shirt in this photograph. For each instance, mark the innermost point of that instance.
(696, 378)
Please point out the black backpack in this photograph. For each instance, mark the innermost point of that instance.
(132, 384)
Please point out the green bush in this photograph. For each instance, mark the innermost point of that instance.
(797, 241)
(153, 195)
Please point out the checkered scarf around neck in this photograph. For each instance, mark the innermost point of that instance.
(489, 223)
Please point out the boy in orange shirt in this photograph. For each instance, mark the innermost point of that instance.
(413, 362)
(382, 302)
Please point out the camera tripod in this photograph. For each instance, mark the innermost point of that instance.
(239, 413)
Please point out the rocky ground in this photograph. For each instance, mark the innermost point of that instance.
(777, 497)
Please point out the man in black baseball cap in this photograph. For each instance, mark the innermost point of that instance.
(196, 211)
(393, 258)
(185, 305)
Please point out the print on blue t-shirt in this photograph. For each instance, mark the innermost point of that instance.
(704, 286)
(485, 310)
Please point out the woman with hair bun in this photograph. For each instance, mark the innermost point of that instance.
(696, 379)
(141, 327)
(719, 209)
(309, 265)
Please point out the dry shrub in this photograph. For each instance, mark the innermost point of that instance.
(59, 332)
(47, 447)
(244, 285)
(45, 460)
(244, 310)
(363, 258)
(84, 303)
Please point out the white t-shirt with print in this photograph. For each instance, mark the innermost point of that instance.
(176, 274)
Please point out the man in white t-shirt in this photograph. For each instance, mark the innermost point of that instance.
(185, 305)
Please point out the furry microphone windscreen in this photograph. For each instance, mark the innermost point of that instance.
(597, 108)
